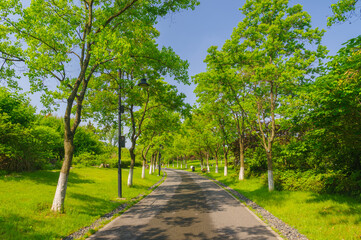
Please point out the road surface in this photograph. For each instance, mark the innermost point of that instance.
(187, 206)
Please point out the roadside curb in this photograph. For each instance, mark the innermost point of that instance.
(109, 216)
(286, 231)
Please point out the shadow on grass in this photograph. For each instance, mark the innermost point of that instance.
(45, 177)
(259, 194)
(342, 206)
(18, 227)
(94, 206)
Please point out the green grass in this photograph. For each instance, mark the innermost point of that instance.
(318, 216)
(26, 198)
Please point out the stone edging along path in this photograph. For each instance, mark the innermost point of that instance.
(287, 231)
(108, 216)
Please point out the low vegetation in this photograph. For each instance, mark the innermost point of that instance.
(25, 208)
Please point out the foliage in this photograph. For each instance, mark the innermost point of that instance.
(331, 127)
(18, 148)
(342, 10)
(29, 141)
(329, 182)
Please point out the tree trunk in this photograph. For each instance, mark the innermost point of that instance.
(58, 202)
(270, 172)
(216, 156)
(154, 160)
(143, 169)
(208, 162)
(151, 165)
(225, 162)
(241, 156)
(132, 163)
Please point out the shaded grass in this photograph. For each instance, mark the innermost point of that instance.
(318, 216)
(25, 201)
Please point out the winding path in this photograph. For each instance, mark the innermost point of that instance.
(187, 206)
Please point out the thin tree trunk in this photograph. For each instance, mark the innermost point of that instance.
(132, 163)
(268, 137)
(241, 155)
(143, 169)
(151, 165)
(154, 160)
(225, 160)
(216, 163)
(58, 202)
(271, 186)
(144, 155)
(144, 163)
(207, 157)
(216, 156)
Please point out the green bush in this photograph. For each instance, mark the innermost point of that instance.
(329, 182)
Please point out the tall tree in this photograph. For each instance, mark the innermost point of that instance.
(93, 35)
(220, 84)
(274, 47)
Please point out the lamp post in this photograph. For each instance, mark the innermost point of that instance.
(121, 139)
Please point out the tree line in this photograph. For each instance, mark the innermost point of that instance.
(271, 98)
(266, 99)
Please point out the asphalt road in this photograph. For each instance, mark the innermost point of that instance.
(187, 206)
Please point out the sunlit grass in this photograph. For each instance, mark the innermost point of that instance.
(318, 216)
(25, 201)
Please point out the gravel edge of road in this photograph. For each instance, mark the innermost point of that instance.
(286, 230)
(108, 216)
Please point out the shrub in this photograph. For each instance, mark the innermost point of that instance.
(329, 182)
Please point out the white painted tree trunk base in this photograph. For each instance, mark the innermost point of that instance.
(186, 166)
(216, 168)
(271, 186)
(150, 168)
(58, 202)
(225, 171)
(208, 170)
(241, 173)
(130, 177)
(182, 166)
(143, 171)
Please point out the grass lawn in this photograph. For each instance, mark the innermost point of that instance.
(26, 198)
(318, 216)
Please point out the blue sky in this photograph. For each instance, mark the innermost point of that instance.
(191, 33)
